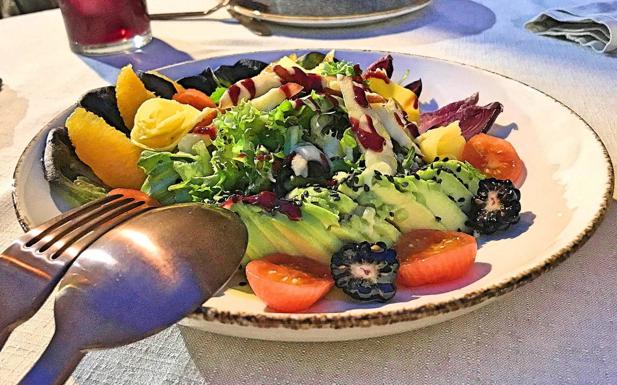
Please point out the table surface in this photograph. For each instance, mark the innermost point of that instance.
(559, 329)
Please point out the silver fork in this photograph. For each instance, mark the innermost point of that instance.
(33, 265)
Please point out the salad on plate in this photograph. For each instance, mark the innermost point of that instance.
(339, 176)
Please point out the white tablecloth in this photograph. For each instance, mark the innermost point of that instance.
(560, 329)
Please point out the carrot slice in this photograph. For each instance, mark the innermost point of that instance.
(194, 98)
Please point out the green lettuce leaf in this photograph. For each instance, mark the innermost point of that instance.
(217, 94)
(341, 67)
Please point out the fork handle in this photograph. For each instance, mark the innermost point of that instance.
(55, 365)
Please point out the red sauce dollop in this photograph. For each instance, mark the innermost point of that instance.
(249, 84)
(234, 93)
(368, 136)
(296, 75)
(360, 96)
(203, 129)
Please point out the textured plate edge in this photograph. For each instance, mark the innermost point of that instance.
(378, 318)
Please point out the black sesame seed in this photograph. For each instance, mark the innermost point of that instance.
(390, 178)
(391, 213)
(416, 176)
(446, 159)
(466, 186)
(366, 188)
(378, 177)
(438, 219)
(305, 194)
(459, 168)
(318, 189)
(242, 283)
(405, 184)
(336, 198)
(436, 159)
(461, 199)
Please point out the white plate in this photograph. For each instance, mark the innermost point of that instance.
(326, 13)
(568, 186)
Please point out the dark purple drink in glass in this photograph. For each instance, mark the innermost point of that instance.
(97, 27)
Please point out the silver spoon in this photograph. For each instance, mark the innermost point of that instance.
(180, 15)
(138, 279)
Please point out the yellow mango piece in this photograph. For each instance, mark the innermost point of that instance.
(442, 142)
(130, 94)
(405, 98)
(161, 123)
(108, 152)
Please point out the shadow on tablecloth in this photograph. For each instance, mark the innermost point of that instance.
(10, 101)
(154, 55)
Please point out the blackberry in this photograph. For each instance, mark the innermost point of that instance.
(495, 207)
(365, 271)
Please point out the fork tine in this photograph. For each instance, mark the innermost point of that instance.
(42, 242)
(69, 248)
(40, 231)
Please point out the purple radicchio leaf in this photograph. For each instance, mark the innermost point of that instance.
(473, 119)
(477, 119)
(415, 87)
(446, 114)
(383, 63)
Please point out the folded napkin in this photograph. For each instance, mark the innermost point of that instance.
(592, 25)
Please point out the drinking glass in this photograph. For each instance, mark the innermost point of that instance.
(98, 27)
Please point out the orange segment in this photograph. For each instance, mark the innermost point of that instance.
(111, 155)
(130, 94)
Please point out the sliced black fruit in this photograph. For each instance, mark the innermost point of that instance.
(495, 207)
(242, 69)
(365, 271)
(102, 102)
(161, 87)
(204, 82)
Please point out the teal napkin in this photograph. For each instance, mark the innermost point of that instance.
(591, 25)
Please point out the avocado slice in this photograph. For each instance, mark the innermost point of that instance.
(469, 175)
(276, 233)
(402, 209)
(446, 211)
(450, 185)
(354, 223)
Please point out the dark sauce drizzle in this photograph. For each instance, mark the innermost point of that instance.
(268, 201)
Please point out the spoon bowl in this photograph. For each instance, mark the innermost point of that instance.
(138, 279)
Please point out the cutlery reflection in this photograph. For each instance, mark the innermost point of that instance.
(31, 266)
(137, 279)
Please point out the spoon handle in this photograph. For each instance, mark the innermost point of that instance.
(56, 364)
